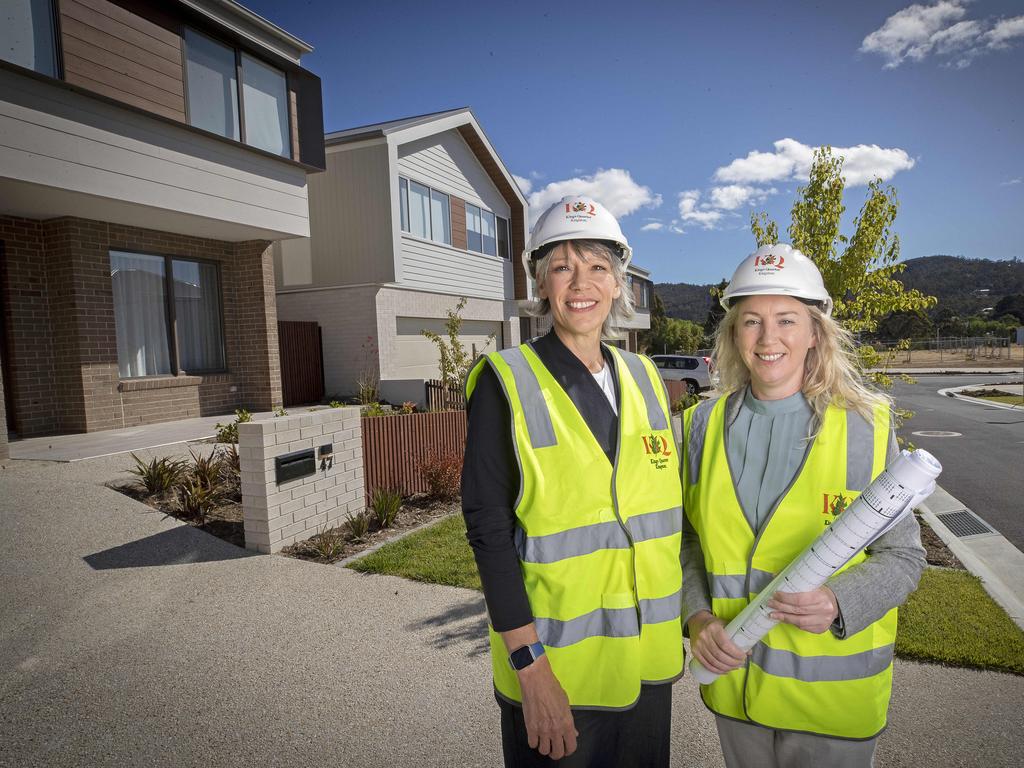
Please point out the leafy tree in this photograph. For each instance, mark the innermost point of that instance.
(948, 322)
(906, 325)
(716, 312)
(1010, 305)
(861, 270)
(670, 334)
(454, 361)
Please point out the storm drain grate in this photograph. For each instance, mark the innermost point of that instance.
(965, 523)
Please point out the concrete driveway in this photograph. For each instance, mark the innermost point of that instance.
(129, 639)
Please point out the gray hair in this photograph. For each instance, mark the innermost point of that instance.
(622, 307)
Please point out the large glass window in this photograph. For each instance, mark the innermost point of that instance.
(26, 35)
(440, 220)
(419, 210)
(474, 240)
(425, 212)
(140, 314)
(487, 233)
(503, 249)
(212, 85)
(403, 202)
(161, 334)
(197, 316)
(265, 97)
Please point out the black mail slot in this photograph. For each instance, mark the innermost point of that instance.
(292, 466)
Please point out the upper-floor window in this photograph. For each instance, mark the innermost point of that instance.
(503, 246)
(425, 212)
(27, 35)
(481, 230)
(256, 113)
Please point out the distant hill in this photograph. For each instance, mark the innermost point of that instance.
(965, 285)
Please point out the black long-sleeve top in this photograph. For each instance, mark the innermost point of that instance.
(490, 473)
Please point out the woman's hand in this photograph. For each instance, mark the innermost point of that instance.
(812, 611)
(549, 724)
(711, 644)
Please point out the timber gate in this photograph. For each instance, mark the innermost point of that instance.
(302, 362)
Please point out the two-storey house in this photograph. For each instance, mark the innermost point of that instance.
(410, 216)
(152, 152)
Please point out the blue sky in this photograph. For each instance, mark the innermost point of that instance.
(658, 108)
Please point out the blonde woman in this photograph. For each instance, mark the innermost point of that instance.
(794, 438)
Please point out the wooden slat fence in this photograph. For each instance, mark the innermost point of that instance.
(302, 362)
(676, 389)
(441, 398)
(394, 446)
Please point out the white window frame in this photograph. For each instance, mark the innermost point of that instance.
(405, 223)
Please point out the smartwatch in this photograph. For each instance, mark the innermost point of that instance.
(523, 657)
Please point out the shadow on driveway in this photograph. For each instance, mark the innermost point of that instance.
(465, 623)
(178, 546)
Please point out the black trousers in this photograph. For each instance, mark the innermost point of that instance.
(637, 737)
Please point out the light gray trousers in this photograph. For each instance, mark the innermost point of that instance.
(753, 746)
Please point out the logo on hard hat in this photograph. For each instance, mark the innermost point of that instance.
(768, 264)
(580, 210)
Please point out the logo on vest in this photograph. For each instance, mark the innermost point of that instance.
(658, 449)
(833, 505)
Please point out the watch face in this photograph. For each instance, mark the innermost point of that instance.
(521, 657)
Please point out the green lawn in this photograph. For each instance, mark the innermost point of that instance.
(1008, 399)
(439, 554)
(949, 619)
(952, 619)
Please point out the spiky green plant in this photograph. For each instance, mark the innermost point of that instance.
(385, 503)
(157, 476)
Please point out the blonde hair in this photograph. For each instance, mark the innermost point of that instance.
(622, 307)
(831, 375)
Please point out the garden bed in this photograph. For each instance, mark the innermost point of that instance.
(336, 544)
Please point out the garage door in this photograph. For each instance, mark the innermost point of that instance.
(416, 356)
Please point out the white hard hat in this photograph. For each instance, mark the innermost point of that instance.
(781, 270)
(575, 218)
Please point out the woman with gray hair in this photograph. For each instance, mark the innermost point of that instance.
(573, 508)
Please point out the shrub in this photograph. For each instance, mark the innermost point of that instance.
(193, 498)
(357, 526)
(231, 473)
(206, 470)
(228, 433)
(385, 503)
(328, 542)
(158, 475)
(443, 474)
(336, 404)
(685, 402)
(407, 407)
(280, 411)
(374, 409)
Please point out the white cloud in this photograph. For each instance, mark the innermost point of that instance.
(1005, 31)
(525, 185)
(690, 212)
(733, 196)
(792, 160)
(652, 226)
(1010, 182)
(613, 187)
(940, 29)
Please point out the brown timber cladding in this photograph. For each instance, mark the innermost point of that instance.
(458, 206)
(394, 447)
(302, 371)
(132, 56)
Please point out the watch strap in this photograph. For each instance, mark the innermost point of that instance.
(524, 656)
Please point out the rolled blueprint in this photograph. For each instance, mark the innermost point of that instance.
(904, 484)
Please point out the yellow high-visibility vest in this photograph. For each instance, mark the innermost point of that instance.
(598, 544)
(794, 680)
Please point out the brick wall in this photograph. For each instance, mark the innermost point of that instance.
(62, 338)
(277, 515)
(4, 450)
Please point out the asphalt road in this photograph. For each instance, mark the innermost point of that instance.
(984, 466)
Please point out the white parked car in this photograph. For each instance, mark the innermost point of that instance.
(692, 370)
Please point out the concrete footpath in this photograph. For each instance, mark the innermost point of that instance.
(128, 639)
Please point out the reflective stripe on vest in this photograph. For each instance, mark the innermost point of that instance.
(794, 680)
(599, 544)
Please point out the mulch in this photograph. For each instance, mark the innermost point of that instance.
(224, 522)
(936, 551)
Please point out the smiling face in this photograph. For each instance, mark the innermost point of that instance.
(580, 288)
(774, 335)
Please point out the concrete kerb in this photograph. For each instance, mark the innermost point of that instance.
(990, 557)
(955, 392)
